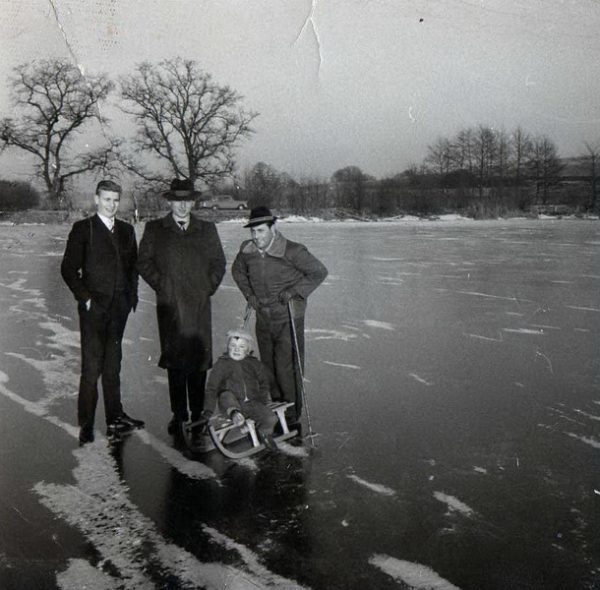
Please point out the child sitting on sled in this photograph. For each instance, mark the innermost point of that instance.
(239, 384)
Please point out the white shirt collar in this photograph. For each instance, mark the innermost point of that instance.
(107, 221)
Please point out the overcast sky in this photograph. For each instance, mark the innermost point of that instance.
(343, 82)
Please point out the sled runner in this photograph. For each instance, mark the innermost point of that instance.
(234, 442)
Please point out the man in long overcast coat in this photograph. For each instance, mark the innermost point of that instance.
(182, 259)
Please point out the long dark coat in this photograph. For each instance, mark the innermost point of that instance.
(184, 269)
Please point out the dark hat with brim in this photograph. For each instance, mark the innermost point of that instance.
(260, 215)
(181, 190)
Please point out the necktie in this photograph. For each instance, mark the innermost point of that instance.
(181, 225)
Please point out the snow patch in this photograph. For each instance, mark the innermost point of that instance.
(250, 558)
(420, 379)
(488, 296)
(415, 575)
(523, 331)
(579, 308)
(588, 441)
(193, 469)
(98, 505)
(291, 450)
(587, 414)
(375, 487)
(343, 365)
(379, 325)
(454, 504)
(480, 337)
(81, 574)
(323, 334)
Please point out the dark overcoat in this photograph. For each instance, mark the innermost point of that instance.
(91, 261)
(184, 268)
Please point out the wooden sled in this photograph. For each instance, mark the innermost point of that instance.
(234, 442)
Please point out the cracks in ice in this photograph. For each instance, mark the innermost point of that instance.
(542, 355)
(309, 21)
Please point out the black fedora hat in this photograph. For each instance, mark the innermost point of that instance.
(181, 190)
(260, 215)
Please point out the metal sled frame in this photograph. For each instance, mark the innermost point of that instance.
(222, 434)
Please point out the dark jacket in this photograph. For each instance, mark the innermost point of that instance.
(91, 261)
(284, 266)
(246, 380)
(184, 269)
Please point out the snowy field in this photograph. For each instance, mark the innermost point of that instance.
(453, 375)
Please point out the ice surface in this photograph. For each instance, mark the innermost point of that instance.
(453, 378)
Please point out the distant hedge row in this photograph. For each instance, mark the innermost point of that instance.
(17, 196)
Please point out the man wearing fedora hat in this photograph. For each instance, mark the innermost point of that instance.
(276, 276)
(182, 259)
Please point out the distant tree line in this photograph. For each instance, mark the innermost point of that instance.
(480, 172)
(188, 126)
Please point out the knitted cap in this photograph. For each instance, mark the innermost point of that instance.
(245, 335)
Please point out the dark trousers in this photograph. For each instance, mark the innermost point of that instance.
(101, 335)
(184, 388)
(276, 347)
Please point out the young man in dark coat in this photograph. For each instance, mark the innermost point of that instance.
(182, 259)
(275, 274)
(99, 267)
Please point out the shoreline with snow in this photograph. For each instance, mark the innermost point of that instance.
(38, 218)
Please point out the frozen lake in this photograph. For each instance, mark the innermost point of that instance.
(453, 376)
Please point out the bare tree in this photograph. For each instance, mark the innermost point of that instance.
(185, 120)
(545, 166)
(439, 156)
(263, 185)
(463, 151)
(593, 157)
(503, 155)
(485, 149)
(55, 101)
(521, 152)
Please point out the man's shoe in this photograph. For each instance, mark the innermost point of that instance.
(175, 427)
(86, 435)
(125, 419)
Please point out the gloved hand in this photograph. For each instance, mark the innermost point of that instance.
(285, 296)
